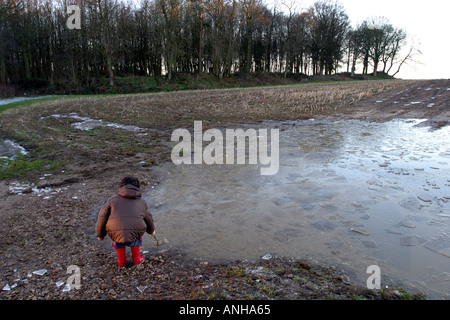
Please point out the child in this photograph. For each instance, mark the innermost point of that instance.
(125, 218)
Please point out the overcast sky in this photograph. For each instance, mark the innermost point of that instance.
(428, 22)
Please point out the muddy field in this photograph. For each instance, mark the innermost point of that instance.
(48, 217)
(421, 100)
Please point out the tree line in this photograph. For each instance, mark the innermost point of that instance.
(166, 37)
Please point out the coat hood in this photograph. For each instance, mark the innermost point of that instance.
(130, 192)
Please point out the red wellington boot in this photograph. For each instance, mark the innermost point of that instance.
(121, 257)
(136, 253)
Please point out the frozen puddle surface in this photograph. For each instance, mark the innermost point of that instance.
(9, 149)
(86, 123)
(347, 193)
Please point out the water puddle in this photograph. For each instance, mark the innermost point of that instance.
(86, 123)
(347, 193)
(9, 149)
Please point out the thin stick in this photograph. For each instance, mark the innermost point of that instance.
(157, 241)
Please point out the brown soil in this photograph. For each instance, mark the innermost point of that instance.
(422, 100)
(41, 230)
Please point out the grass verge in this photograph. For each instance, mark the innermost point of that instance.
(22, 165)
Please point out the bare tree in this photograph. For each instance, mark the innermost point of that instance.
(107, 10)
(120, 38)
(412, 56)
(329, 27)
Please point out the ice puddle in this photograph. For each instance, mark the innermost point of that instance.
(86, 123)
(9, 149)
(348, 193)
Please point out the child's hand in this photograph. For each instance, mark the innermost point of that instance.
(100, 239)
(153, 234)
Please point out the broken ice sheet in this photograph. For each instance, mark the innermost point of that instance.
(412, 240)
(439, 245)
(141, 288)
(369, 244)
(393, 231)
(40, 272)
(7, 287)
(87, 123)
(66, 288)
(19, 187)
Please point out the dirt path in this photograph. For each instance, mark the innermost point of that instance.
(51, 227)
